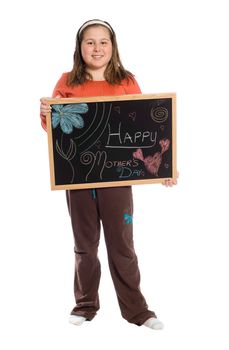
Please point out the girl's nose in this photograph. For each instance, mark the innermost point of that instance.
(96, 47)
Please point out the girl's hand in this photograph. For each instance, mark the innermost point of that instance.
(44, 107)
(170, 182)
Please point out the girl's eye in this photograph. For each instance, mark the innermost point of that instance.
(89, 42)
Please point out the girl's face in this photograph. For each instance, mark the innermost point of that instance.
(96, 49)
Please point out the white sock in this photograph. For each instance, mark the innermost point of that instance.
(76, 320)
(154, 323)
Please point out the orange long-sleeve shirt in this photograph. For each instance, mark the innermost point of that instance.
(92, 88)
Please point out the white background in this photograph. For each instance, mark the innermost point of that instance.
(180, 233)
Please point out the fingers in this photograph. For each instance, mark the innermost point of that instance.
(45, 99)
(45, 107)
(170, 182)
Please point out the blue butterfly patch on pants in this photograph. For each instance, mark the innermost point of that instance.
(128, 219)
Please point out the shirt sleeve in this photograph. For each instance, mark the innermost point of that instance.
(43, 122)
(59, 90)
(131, 86)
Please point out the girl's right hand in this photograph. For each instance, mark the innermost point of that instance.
(44, 107)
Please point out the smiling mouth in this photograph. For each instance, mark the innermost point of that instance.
(97, 56)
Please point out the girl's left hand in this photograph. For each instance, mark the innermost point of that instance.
(170, 182)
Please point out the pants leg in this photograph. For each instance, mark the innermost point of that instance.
(116, 212)
(86, 229)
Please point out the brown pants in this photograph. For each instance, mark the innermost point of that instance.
(114, 208)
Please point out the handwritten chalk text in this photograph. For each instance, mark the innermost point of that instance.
(118, 139)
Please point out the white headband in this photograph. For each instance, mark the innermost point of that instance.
(95, 21)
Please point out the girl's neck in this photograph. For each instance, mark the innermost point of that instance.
(97, 75)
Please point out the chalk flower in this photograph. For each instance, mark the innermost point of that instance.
(68, 116)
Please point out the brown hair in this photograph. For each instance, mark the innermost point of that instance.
(114, 73)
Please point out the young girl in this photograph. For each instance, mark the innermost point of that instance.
(98, 71)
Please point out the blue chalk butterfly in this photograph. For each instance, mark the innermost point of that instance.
(68, 116)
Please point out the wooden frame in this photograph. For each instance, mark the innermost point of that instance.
(65, 151)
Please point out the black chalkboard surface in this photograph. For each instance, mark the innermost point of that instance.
(112, 141)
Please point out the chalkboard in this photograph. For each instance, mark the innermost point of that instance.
(112, 141)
